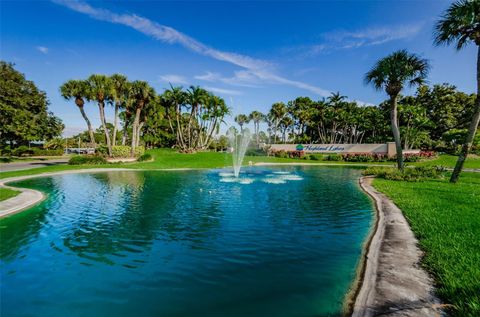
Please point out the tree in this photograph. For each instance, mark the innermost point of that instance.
(276, 114)
(256, 117)
(78, 89)
(100, 89)
(24, 114)
(241, 119)
(460, 25)
(143, 94)
(391, 74)
(120, 87)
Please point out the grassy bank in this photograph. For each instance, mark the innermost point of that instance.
(167, 158)
(446, 220)
(6, 193)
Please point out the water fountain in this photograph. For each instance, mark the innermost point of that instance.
(238, 144)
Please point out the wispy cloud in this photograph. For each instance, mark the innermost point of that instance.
(42, 49)
(174, 79)
(223, 91)
(373, 35)
(342, 39)
(259, 69)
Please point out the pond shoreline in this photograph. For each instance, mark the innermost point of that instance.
(391, 281)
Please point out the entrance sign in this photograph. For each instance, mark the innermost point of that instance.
(383, 148)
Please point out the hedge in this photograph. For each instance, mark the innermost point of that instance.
(119, 151)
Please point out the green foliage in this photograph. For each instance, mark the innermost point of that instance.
(24, 112)
(22, 150)
(43, 152)
(255, 152)
(145, 157)
(332, 157)
(445, 219)
(86, 159)
(120, 151)
(418, 173)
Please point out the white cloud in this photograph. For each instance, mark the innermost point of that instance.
(174, 79)
(338, 40)
(42, 49)
(255, 68)
(223, 91)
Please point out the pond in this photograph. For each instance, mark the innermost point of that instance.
(282, 242)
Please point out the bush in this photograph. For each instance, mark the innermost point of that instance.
(22, 150)
(296, 154)
(255, 152)
(332, 157)
(281, 154)
(42, 152)
(86, 159)
(119, 151)
(5, 160)
(416, 174)
(145, 157)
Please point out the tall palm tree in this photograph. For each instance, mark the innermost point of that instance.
(175, 98)
(241, 119)
(196, 97)
(120, 90)
(256, 117)
(100, 90)
(391, 74)
(143, 94)
(277, 113)
(461, 25)
(78, 89)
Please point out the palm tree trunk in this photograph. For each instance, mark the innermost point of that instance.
(471, 130)
(136, 123)
(115, 124)
(89, 125)
(396, 132)
(101, 106)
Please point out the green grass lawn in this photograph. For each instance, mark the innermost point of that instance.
(6, 193)
(168, 158)
(446, 219)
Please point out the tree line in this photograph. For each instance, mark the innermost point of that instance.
(192, 116)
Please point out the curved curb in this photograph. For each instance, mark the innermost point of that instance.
(392, 281)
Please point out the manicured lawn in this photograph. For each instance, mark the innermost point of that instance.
(168, 158)
(6, 193)
(446, 219)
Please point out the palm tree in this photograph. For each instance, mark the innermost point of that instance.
(120, 89)
(461, 25)
(391, 74)
(175, 98)
(196, 97)
(78, 89)
(142, 94)
(277, 113)
(241, 119)
(256, 117)
(100, 90)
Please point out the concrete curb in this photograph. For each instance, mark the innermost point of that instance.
(392, 281)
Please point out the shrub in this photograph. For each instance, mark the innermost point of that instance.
(145, 157)
(22, 150)
(42, 152)
(332, 157)
(86, 159)
(5, 160)
(281, 154)
(255, 152)
(296, 154)
(416, 174)
(125, 150)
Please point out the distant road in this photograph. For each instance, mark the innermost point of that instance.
(16, 166)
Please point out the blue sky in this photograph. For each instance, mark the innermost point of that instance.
(250, 53)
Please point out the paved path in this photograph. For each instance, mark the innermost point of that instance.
(16, 166)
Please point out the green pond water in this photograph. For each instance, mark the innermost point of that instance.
(283, 242)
